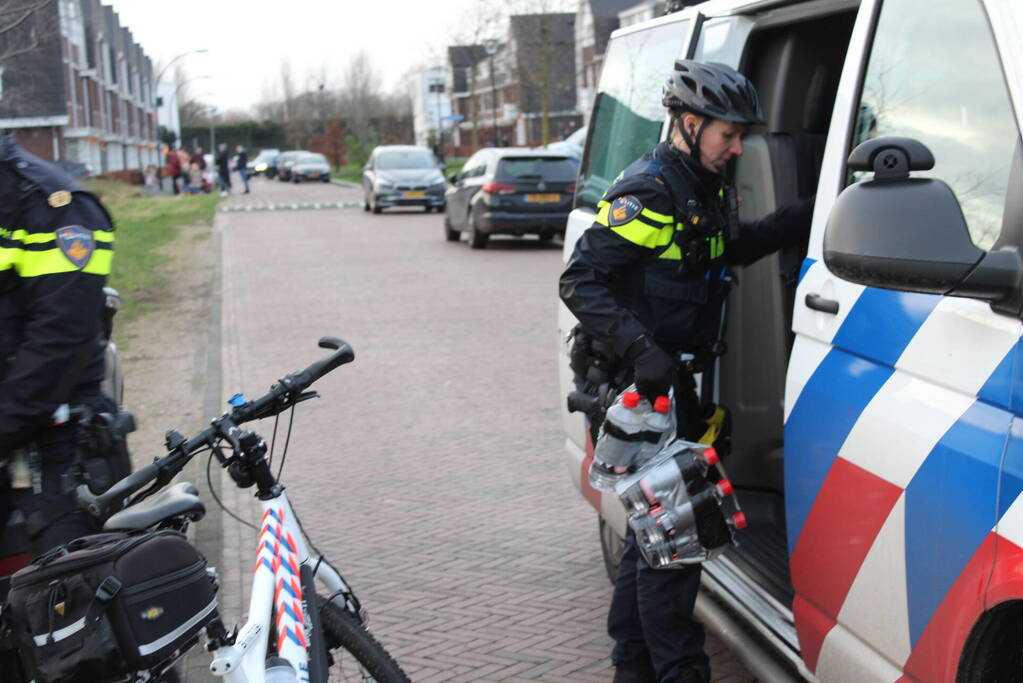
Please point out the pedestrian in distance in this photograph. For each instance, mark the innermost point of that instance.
(649, 278)
(243, 166)
(56, 249)
(223, 162)
(174, 168)
(185, 162)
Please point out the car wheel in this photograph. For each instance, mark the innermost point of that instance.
(365, 202)
(296, 180)
(450, 234)
(373, 204)
(546, 236)
(477, 239)
(611, 547)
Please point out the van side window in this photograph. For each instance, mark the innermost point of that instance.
(934, 75)
(627, 112)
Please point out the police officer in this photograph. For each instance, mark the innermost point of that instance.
(649, 279)
(56, 247)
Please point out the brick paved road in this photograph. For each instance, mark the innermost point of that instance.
(431, 469)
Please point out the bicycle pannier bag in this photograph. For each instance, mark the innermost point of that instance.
(109, 604)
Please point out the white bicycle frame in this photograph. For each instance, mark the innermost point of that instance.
(276, 583)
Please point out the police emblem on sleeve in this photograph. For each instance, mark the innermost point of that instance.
(77, 244)
(623, 210)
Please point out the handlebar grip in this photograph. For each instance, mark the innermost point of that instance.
(97, 506)
(343, 353)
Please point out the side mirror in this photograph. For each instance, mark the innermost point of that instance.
(454, 178)
(909, 234)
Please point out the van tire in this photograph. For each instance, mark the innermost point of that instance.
(611, 547)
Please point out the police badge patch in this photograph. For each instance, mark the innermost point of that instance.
(76, 243)
(623, 210)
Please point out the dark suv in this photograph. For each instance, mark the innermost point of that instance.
(510, 191)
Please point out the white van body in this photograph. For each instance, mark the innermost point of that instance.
(878, 450)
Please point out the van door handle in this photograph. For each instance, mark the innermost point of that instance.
(819, 303)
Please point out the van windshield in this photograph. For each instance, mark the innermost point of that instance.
(627, 114)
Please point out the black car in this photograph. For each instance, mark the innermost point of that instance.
(510, 191)
(402, 175)
(286, 161)
(309, 167)
(265, 163)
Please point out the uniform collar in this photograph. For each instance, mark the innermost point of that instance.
(48, 177)
(669, 154)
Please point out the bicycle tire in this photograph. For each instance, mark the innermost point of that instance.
(346, 636)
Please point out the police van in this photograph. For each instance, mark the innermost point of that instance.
(874, 374)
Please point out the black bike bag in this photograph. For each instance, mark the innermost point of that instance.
(107, 605)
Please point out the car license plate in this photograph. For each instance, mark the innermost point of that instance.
(543, 198)
(314, 175)
(414, 195)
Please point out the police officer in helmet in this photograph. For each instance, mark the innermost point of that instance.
(56, 248)
(648, 279)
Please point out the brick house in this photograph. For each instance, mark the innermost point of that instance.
(85, 93)
(530, 74)
(595, 20)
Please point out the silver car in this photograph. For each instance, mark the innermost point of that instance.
(402, 175)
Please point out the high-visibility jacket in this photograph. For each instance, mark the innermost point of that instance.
(654, 258)
(56, 248)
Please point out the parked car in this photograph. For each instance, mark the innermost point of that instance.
(264, 163)
(571, 146)
(510, 191)
(402, 175)
(311, 166)
(286, 161)
(873, 373)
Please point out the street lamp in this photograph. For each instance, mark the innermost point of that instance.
(185, 82)
(490, 45)
(176, 58)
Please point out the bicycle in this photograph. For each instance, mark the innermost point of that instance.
(283, 638)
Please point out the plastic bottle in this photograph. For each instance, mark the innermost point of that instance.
(659, 425)
(621, 437)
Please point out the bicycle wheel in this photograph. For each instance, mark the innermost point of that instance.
(355, 653)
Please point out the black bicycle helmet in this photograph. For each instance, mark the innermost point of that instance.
(714, 90)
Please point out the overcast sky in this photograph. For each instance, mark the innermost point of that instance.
(248, 39)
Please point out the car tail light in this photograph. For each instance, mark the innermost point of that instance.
(498, 188)
(570, 189)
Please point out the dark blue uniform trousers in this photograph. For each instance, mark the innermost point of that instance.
(651, 617)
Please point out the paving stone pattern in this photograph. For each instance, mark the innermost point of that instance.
(431, 471)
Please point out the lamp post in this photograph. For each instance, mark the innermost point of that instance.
(185, 82)
(490, 45)
(176, 58)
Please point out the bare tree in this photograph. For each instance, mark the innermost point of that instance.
(483, 20)
(543, 40)
(19, 33)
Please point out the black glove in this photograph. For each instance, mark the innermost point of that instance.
(655, 370)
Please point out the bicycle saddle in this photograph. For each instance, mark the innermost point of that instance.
(174, 501)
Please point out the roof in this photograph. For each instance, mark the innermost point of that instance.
(553, 27)
(465, 55)
(605, 19)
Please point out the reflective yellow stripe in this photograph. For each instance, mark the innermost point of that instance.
(603, 208)
(640, 233)
(659, 217)
(672, 253)
(51, 261)
(8, 257)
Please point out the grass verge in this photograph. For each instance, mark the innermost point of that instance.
(143, 224)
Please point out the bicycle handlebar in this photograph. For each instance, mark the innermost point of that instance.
(282, 395)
